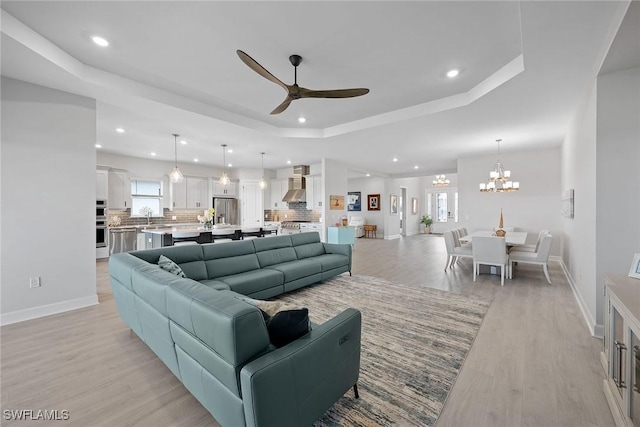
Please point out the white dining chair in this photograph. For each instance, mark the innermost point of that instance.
(490, 251)
(541, 257)
(454, 252)
(532, 247)
(185, 237)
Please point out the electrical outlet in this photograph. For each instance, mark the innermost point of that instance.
(34, 282)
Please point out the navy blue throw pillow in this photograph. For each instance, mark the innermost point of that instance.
(287, 326)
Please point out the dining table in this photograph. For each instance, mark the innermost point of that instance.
(512, 238)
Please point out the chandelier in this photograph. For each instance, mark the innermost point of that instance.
(224, 179)
(499, 179)
(440, 181)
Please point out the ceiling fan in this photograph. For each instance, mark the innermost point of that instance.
(294, 91)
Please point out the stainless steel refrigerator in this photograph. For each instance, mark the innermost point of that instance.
(226, 210)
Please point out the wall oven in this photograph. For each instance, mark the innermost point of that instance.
(102, 234)
(101, 209)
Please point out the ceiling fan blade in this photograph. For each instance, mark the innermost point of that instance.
(251, 63)
(280, 108)
(338, 93)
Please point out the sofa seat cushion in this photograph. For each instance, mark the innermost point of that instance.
(215, 284)
(253, 281)
(295, 270)
(330, 261)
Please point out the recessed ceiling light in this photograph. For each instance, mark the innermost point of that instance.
(100, 41)
(230, 165)
(301, 119)
(230, 150)
(183, 142)
(368, 174)
(153, 154)
(452, 73)
(119, 130)
(395, 159)
(98, 146)
(288, 162)
(195, 160)
(415, 167)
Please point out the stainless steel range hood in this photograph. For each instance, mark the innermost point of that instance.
(297, 186)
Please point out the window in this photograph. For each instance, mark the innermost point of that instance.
(146, 195)
(441, 207)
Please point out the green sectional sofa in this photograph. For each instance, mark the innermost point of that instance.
(218, 344)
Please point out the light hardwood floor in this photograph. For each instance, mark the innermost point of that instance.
(533, 362)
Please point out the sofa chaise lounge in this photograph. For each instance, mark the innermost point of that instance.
(202, 327)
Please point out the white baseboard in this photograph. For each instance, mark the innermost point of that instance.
(391, 237)
(47, 310)
(594, 329)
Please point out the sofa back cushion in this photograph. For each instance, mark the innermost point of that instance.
(274, 250)
(229, 258)
(189, 257)
(307, 245)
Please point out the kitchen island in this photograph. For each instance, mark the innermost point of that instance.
(159, 237)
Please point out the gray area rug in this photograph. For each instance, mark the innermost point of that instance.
(414, 341)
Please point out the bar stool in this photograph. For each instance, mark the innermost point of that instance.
(185, 237)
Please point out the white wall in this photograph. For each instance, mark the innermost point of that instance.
(535, 207)
(415, 189)
(618, 175)
(366, 186)
(335, 176)
(578, 172)
(148, 168)
(600, 158)
(48, 201)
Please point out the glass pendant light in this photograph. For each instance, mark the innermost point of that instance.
(263, 183)
(224, 179)
(176, 175)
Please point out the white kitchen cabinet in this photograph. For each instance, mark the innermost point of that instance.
(119, 190)
(279, 188)
(197, 193)
(102, 184)
(179, 195)
(621, 353)
(229, 190)
(191, 193)
(314, 192)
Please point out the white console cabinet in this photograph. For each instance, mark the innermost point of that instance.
(621, 354)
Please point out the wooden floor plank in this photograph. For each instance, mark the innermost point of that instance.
(533, 362)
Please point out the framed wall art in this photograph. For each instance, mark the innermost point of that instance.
(567, 203)
(635, 267)
(353, 201)
(373, 202)
(414, 206)
(336, 203)
(394, 204)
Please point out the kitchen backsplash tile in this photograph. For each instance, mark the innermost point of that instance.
(296, 212)
(182, 217)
